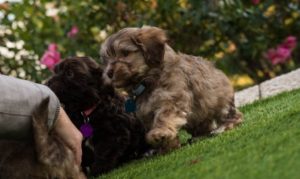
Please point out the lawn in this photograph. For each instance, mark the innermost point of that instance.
(266, 145)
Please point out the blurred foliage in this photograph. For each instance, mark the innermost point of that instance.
(233, 33)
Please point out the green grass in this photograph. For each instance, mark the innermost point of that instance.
(266, 145)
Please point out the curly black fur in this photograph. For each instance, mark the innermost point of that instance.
(118, 137)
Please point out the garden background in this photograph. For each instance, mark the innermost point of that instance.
(251, 40)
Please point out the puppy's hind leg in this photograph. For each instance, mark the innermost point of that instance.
(229, 118)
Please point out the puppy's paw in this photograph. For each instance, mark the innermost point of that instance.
(161, 137)
(229, 124)
(218, 130)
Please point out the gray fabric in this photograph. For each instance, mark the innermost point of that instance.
(18, 99)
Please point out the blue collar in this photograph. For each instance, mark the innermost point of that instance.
(130, 104)
(138, 90)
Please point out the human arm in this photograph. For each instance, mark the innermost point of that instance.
(69, 134)
(19, 98)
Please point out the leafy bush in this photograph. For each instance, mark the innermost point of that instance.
(242, 37)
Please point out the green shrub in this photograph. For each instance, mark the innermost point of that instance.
(235, 34)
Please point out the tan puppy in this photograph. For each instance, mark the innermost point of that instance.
(171, 90)
(44, 157)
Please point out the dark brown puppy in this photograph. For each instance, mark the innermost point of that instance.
(180, 91)
(117, 137)
(44, 157)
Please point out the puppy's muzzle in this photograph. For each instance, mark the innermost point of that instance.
(110, 73)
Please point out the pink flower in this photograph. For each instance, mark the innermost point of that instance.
(278, 55)
(255, 2)
(52, 47)
(51, 57)
(73, 32)
(290, 42)
(283, 51)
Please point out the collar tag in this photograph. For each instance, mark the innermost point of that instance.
(86, 130)
(130, 105)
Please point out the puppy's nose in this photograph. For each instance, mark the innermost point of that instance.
(110, 73)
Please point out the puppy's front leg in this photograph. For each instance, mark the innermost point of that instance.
(167, 121)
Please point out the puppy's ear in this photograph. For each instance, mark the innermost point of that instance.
(90, 65)
(151, 40)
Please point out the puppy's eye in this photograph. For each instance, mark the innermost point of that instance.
(69, 74)
(125, 53)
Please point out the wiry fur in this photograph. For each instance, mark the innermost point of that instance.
(182, 91)
(118, 137)
(43, 157)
